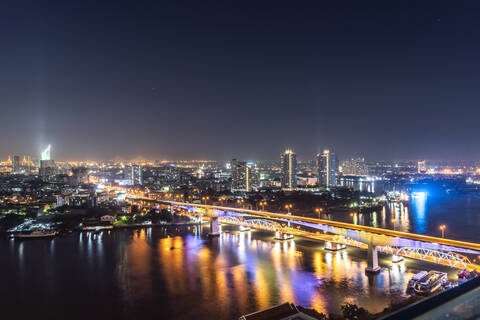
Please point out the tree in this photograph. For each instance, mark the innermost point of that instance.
(353, 312)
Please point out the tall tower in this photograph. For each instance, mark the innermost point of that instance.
(327, 168)
(137, 178)
(288, 164)
(16, 164)
(46, 153)
(244, 176)
(47, 165)
(422, 166)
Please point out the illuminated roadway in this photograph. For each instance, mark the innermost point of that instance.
(343, 225)
(370, 238)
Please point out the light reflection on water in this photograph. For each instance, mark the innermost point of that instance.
(167, 273)
(242, 272)
(423, 215)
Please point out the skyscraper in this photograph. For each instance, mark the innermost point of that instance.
(46, 153)
(327, 168)
(16, 164)
(422, 166)
(288, 165)
(136, 175)
(244, 176)
(47, 165)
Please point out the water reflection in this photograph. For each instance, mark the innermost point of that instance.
(159, 273)
(245, 271)
(419, 205)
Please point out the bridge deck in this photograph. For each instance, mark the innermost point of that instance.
(344, 225)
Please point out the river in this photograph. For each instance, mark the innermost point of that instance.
(180, 273)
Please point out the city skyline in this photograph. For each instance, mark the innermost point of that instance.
(163, 80)
(240, 159)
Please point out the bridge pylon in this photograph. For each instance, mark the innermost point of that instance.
(372, 259)
(214, 228)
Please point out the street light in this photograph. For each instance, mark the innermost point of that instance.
(289, 208)
(221, 200)
(442, 227)
(263, 204)
(240, 202)
(318, 210)
(205, 200)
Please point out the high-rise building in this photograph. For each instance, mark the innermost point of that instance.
(46, 153)
(288, 165)
(136, 175)
(422, 166)
(16, 164)
(327, 169)
(245, 176)
(355, 167)
(80, 175)
(252, 178)
(47, 168)
(47, 165)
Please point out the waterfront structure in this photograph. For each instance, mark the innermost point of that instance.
(16, 164)
(288, 166)
(355, 167)
(245, 176)
(327, 171)
(422, 166)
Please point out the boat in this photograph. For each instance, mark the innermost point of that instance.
(282, 236)
(38, 234)
(244, 228)
(465, 275)
(415, 278)
(431, 282)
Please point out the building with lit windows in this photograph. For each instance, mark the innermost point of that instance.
(136, 175)
(422, 166)
(288, 166)
(245, 177)
(327, 169)
(355, 167)
(16, 164)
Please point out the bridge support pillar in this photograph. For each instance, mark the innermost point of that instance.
(372, 259)
(214, 229)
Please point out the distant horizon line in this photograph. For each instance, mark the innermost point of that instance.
(138, 159)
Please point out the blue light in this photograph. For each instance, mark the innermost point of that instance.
(419, 194)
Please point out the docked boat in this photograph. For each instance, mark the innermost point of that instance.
(40, 234)
(415, 278)
(244, 228)
(283, 236)
(431, 282)
(465, 275)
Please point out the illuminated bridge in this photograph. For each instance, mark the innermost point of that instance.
(437, 250)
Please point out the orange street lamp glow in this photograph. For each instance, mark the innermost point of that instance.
(393, 221)
(442, 227)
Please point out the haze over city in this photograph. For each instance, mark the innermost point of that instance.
(195, 80)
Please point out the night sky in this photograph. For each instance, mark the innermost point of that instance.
(216, 80)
